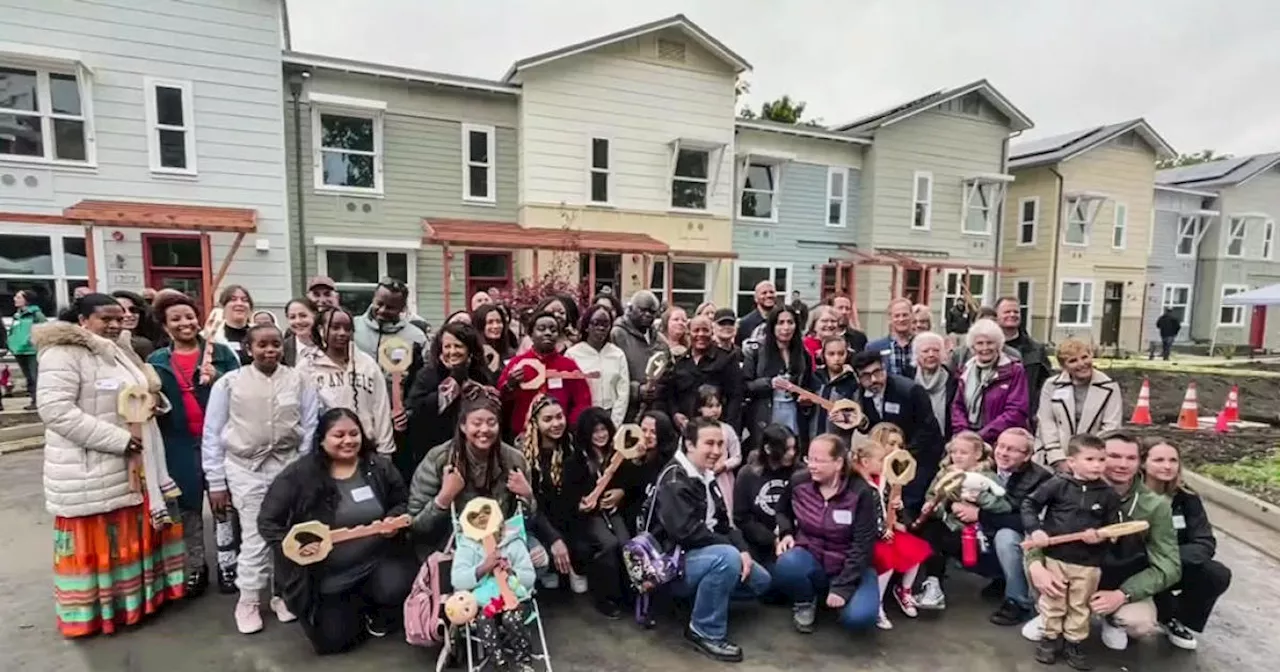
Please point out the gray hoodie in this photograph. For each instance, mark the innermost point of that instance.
(369, 334)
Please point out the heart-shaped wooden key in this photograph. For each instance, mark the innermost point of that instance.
(899, 469)
(482, 521)
(135, 405)
(316, 532)
(626, 446)
(395, 356)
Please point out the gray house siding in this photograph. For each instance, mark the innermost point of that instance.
(1165, 267)
(422, 177)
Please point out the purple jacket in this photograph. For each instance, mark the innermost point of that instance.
(839, 532)
(1005, 402)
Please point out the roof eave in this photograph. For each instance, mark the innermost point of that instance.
(397, 72)
(1018, 121)
(802, 131)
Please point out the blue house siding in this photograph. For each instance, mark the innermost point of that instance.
(1165, 267)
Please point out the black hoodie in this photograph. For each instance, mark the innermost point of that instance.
(755, 499)
(1071, 505)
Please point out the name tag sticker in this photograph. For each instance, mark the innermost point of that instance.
(106, 384)
(398, 354)
(886, 353)
(555, 383)
(1063, 393)
(842, 517)
(1179, 523)
(363, 493)
(892, 407)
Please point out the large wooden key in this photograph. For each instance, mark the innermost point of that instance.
(541, 375)
(482, 521)
(134, 405)
(843, 413)
(314, 531)
(626, 446)
(211, 328)
(948, 485)
(1108, 532)
(395, 356)
(492, 360)
(899, 469)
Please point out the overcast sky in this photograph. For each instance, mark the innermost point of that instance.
(1205, 74)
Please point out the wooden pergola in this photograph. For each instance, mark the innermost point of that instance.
(898, 263)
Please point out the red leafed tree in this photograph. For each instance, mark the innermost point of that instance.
(528, 292)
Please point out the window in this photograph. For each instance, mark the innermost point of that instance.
(1231, 316)
(608, 271)
(1190, 230)
(971, 104)
(982, 199)
(348, 141)
(690, 179)
(1268, 240)
(1235, 237)
(837, 195)
(913, 284)
(357, 272)
(174, 262)
(1177, 298)
(478, 154)
(922, 198)
(1022, 289)
(486, 271)
(751, 274)
(954, 289)
(689, 283)
(1120, 228)
(171, 137)
(50, 265)
(42, 115)
(601, 166)
(1028, 219)
(1075, 303)
(1077, 230)
(760, 191)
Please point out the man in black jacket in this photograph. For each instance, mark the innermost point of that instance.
(766, 297)
(1169, 326)
(706, 364)
(1020, 477)
(634, 334)
(903, 402)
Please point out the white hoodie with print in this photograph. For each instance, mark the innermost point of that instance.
(357, 386)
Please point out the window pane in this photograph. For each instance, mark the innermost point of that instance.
(759, 177)
(346, 133)
(780, 280)
(746, 304)
(25, 255)
(689, 194)
(65, 94)
(750, 276)
(600, 187)
(1028, 211)
(398, 266)
(21, 135)
(174, 252)
(479, 147)
(600, 153)
(922, 188)
(837, 185)
(1067, 314)
(68, 140)
(921, 215)
(757, 204)
(169, 106)
(487, 265)
(173, 149)
(18, 89)
(356, 299)
(44, 290)
(479, 181)
(75, 260)
(659, 275)
(358, 267)
(687, 300)
(1071, 292)
(692, 163)
(833, 212)
(348, 170)
(690, 277)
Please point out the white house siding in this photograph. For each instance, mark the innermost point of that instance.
(422, 175)
(230, 52)
(1165, 267)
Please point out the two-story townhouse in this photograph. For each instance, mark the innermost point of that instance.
(797, 208)
(1182, 218)
(382, 149)
(1077, 228)
(1239, 253)
(933, 183)
(141, 145)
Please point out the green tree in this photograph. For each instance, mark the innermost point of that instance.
(1202, 156)
(783, 110)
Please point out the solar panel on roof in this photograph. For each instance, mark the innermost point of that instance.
(1048, 144)
(1212, 170)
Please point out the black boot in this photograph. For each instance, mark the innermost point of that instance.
(1075, 657)
(1047, 650)
(227, 580)
(722, 650)
(197, 582)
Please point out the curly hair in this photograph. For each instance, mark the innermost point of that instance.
(476, 397)
(533, 443)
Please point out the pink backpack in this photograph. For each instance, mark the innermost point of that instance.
(423, 625)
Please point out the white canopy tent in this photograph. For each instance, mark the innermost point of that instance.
(1262, 296)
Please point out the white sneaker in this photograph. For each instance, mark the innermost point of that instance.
(1033, 630)
(282, 610)
(883, 622)
(1114, 637)
(248, 617)
(931, 596)
(578, 584)
(1179, 635)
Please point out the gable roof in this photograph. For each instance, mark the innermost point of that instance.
(679, 21)
(868, 124)
(1070, 145)
(396, 72)
(801, 130)
(1224, 173)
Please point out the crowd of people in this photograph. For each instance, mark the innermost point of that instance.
(746, 475)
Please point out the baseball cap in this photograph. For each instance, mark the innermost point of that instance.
(724, 316)
(321, 281)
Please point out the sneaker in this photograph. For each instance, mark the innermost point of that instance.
(376, 627)
(802, 616)
(906, 601)
(1114, 637)
(1033, 630)
(248, 617)
(883, 622)
(931, 596)
(578, 584)
(1010, 613)
(550, 581)
(1075, 657)
(1179, 635)
(1047, 651)
(282, 610)
(197, 582)
(227, 580)
(722, 650)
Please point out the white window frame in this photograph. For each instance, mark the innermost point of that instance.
(948, 296)
(973, 189)
(1033, 223)
(842, 173)
(1190, 227)
(1232, 236)
(358, 108)
(775, 175)
(715, 155)
(1120, 226)
(593, 170)
(1087, 300)
(188, 127)
(1269, 240)
(668, 276)
(491, 150)
(1238, 311)
(1166, 301)
(773, 268)
(383, 247)
(1082, 209)
(56, 62)
(917, 200)
(60, 277)
(1025, 307)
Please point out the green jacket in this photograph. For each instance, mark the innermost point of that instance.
(20, 331)
(1153, 555)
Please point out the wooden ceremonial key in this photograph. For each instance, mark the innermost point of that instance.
(211, 327)
(492, 360)
(314, 531)
(843, 413)
(134, 405)
(947, 487)
(395, 356)
(1108, 532)
(626, 446)
(542, 375)
(482, 522)
(899, 469)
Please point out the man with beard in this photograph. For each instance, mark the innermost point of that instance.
(766, 299)
(706, 364)
(634, 333)
(1034, 355)
(856, 340)
(384, 319)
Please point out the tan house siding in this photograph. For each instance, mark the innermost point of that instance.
(1033, 261)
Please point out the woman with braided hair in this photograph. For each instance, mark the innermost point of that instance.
(347, 377)
(475, 463)
(548, 447)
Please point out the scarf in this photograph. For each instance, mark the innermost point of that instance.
(936, 385)
(977, 377)
(160, 489)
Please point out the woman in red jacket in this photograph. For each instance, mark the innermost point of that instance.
(573, 395)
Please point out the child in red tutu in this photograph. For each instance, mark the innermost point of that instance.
(898, 550)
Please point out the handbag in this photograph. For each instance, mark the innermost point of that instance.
(647, 566)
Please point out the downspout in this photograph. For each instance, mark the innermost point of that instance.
(295, 91)
(1053, 267)
(285, 31)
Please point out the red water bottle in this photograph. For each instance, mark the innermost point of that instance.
(969, 545)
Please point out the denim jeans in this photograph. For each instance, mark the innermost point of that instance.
(712, 575)
(800, 577)
(1008, 548)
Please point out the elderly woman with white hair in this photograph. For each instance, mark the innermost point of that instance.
(823, 324)
(933, 374)
(991, 391)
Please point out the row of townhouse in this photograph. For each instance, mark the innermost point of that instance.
(177, 140)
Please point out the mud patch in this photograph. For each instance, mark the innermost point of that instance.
(1258, 394)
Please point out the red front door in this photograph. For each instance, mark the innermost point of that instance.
(1258, 328)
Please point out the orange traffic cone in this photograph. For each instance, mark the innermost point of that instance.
(1189, 416)
(1142, 412)
(1232, 408)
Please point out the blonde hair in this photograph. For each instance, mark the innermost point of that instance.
(1071, 347)
(817, 314)
(881, 432)
(973, 439)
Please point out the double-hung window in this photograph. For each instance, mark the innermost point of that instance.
(1231, 316)
(1120, 227)
(1235, 237)
(982, 197)
(600, 170)
(1075, 303)
(357, 271)
(922, 200)
(691, 178)
(478, 157)
(837, 196)
(1028, 219)
(1177, 298)
(171, 136)
(1189, 232)
(760, 191)
(44, 114)
(1023, 290)
(1077, 229)
(688, 282)
(347, 136)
